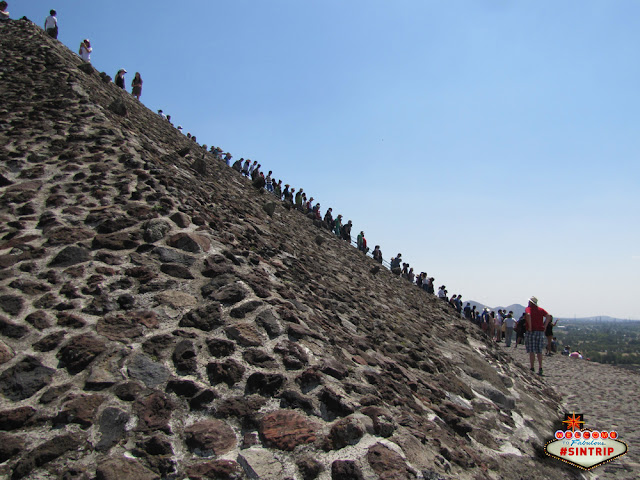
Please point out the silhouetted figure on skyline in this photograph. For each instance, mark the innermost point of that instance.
(4, 14)
(119, 81)
(136, 86)
(51, 24)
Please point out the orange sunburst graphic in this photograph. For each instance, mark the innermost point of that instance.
(573, 421)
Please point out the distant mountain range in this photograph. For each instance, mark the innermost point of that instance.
(518, 310)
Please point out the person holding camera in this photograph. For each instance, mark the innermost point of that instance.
(85, 50)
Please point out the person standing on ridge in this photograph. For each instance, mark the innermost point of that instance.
(119, 81)
(251, 168)
(548, 332)
(377, 254)
(51, 25)
(362, 243)
(85, 50)
(245, 167)
(536, 319)
(467, 311)
(4, 15)
(337, 226)
(346, 231)
(269, 182)
(136, 86)
(328, 218)
(395, 262)
(298, 200)
(510, 324)
(521, 328)
(255, 172)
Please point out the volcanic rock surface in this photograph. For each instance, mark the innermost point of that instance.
(161, 322)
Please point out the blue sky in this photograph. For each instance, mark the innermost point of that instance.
(494, 143)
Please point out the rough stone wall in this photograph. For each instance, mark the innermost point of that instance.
(157, 321)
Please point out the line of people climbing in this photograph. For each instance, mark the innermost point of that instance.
(286, 193)
(298, 200)
(84, 51)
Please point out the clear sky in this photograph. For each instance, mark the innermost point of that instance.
(494, 143)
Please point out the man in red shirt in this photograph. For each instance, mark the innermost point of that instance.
(534, 340)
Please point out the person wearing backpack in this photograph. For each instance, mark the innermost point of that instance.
(377, 254)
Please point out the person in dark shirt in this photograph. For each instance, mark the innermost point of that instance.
(328, 218)
(119, 81)
(4, 14)
(136, 86)
(346, 231)
(521, 328)
(377, 254)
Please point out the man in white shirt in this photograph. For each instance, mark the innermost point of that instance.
(510, 323)
(442, 293)
(85, 50)
(51, 24)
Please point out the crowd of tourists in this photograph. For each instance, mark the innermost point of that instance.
(291, 197)
(534, 327)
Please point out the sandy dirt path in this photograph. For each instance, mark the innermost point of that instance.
(609, 398)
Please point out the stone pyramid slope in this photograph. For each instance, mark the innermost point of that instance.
(156, 321)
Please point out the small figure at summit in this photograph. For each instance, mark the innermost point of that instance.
(51, 24)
